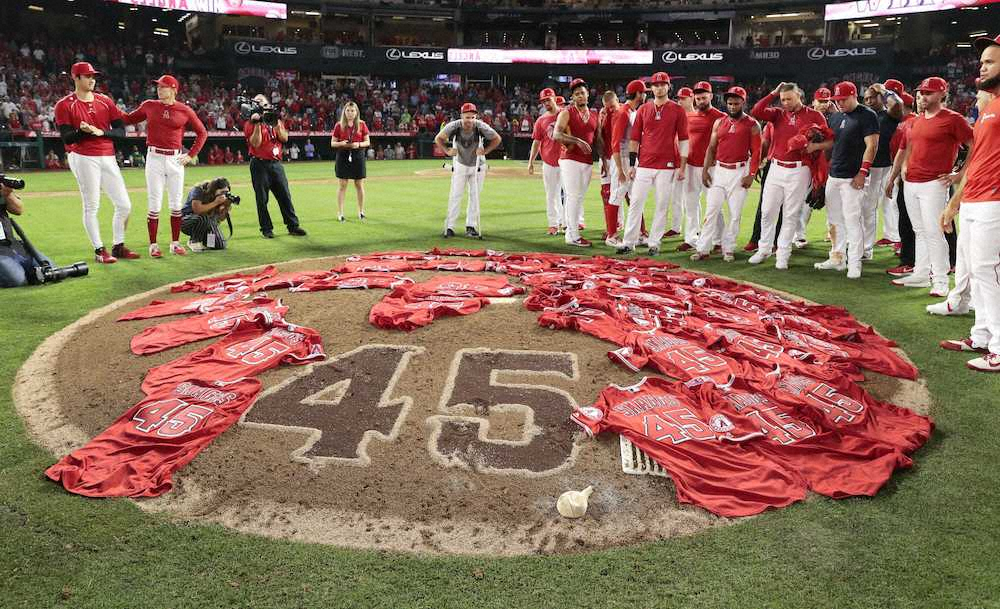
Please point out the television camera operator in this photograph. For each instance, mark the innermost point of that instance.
(20, 262)
(207, 206)
(266, 135)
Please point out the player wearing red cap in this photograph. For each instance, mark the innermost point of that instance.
(701, 121)
(470, 141)
(654, 161)
(620, 133)
(789, 178)
(166, 120)
(931, 149)
(855, 141)
(978, 197)
(542, 141)
(889, 108)
(731, 161)
(88, 123)
(576, 129)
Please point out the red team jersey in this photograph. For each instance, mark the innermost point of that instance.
(983, 175)
(933, 144)
(548, 148)
(352, 281)
(583, 129)
(165, 125)
(250, 348)
(161, 337)
(224, 283)
(700, 132)
(622, 128)
(100, 113)
(701, 445)
(655, 129)
(198, 304)
(736, 142)
(138, 454)
(786, 126)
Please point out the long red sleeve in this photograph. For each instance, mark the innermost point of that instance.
(754, 152)
(200, 134)
(136, 116)
(762, 110)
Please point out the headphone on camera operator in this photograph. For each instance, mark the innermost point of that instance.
(20, 262)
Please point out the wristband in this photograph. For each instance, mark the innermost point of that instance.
(865, 167)
(632, 157)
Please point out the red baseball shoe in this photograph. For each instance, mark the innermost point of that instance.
(120, 251)
(103, 257)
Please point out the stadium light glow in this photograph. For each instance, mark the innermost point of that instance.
(776, 15)
(35, 7)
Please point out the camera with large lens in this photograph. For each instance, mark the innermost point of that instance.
(249, 107)
(12, 183)
(48, 273)
(234, 199)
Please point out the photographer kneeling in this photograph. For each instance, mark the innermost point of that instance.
(16, 264)
(206, 206)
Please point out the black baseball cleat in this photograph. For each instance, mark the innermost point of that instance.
(298, 231)
(449, 233)
(470, 231)
(268, 234)
(624, 250)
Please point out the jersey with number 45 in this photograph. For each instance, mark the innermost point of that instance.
(137, 455)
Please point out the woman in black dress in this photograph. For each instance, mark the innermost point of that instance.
(350, 140)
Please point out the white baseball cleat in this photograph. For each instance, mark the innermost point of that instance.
(177, 249)
(939, 291)
(854, 272)
(831, 265)
(196, 247)
(987, 363)
(154, 251)
(964, 344)
(758, 257)
(612, 242)
(912, 282)
(944, 308)
(728, 257)
(800, 243)
(781, 263)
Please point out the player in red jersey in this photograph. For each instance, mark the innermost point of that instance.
(702, 445)
(788, 178)
(701, 121)
(166, 120)
(621, 131)
(250, 348)
(543, 141)
(137, 455)
(978, 197)
(932, 144)
(576, 129)
(654, 162)
(88, 124)
(730, 164)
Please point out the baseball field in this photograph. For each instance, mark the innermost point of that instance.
(926, 540)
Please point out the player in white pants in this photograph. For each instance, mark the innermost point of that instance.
(577, 130)
(94, 174)
(544, 143)
(470, 141)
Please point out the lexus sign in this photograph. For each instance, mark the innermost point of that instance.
(673, 56)
(247, 48)
(817, 53)
(395, 54)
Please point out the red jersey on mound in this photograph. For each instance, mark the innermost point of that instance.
(225, 283)
(198, 304)
(703, 446)
(155, 339)
(287, 280)
(395, 313)
(137, 455)
(460, 285)
(466, 266)
(375, 266)
(353, 281)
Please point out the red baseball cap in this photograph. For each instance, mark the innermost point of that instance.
(546, 94)
(83, 68)
(822, 94)
(739, 92)
(469, 107)
(684, 92)
(167, 81)
(636, 86)
(703, 85)
(933, 84)
(895, 86)
(982, 42)
(660, 78)
(560, 100)
(577, 82)
(907, 99)
(843, 90)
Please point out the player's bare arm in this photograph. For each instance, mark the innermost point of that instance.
(490, 146)
(871, 147)
(562, 135)
(956, 176)
(531, 157)
(713, 142)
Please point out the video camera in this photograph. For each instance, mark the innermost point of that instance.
(249, 107)
(45, 272)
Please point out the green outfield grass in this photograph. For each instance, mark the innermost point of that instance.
(928, 540)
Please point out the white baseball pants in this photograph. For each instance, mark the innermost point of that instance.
(93, 174)
(464, 177)
(980, 222)
(575, 178)
(924, 204)
(726, 191)
(619, 188)
(164, 171)
(784, 190)
(662, 181)
(844, 212)
(875, 193)
(553, 195)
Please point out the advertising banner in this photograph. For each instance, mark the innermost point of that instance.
(544, 56)
(248, 8)
(881, 8)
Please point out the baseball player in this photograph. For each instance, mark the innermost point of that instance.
(576, 129)
(471, 140)
(166, 120)
(931, 149)
(789, 178)
(87, 124)
(610, 108)
(855, 141)
(701, 120)
(823, 104)
(885, 100)
(731, 161)
(685, 97)
(654, 162)
(620, 133)
(543, 142)
(978, 197)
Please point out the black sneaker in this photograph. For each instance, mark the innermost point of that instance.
(624, 250)
(470, 231)
(653, 251)
(298, 231)
(449, 233)
(268, 234)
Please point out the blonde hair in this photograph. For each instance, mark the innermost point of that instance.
(343, 117)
